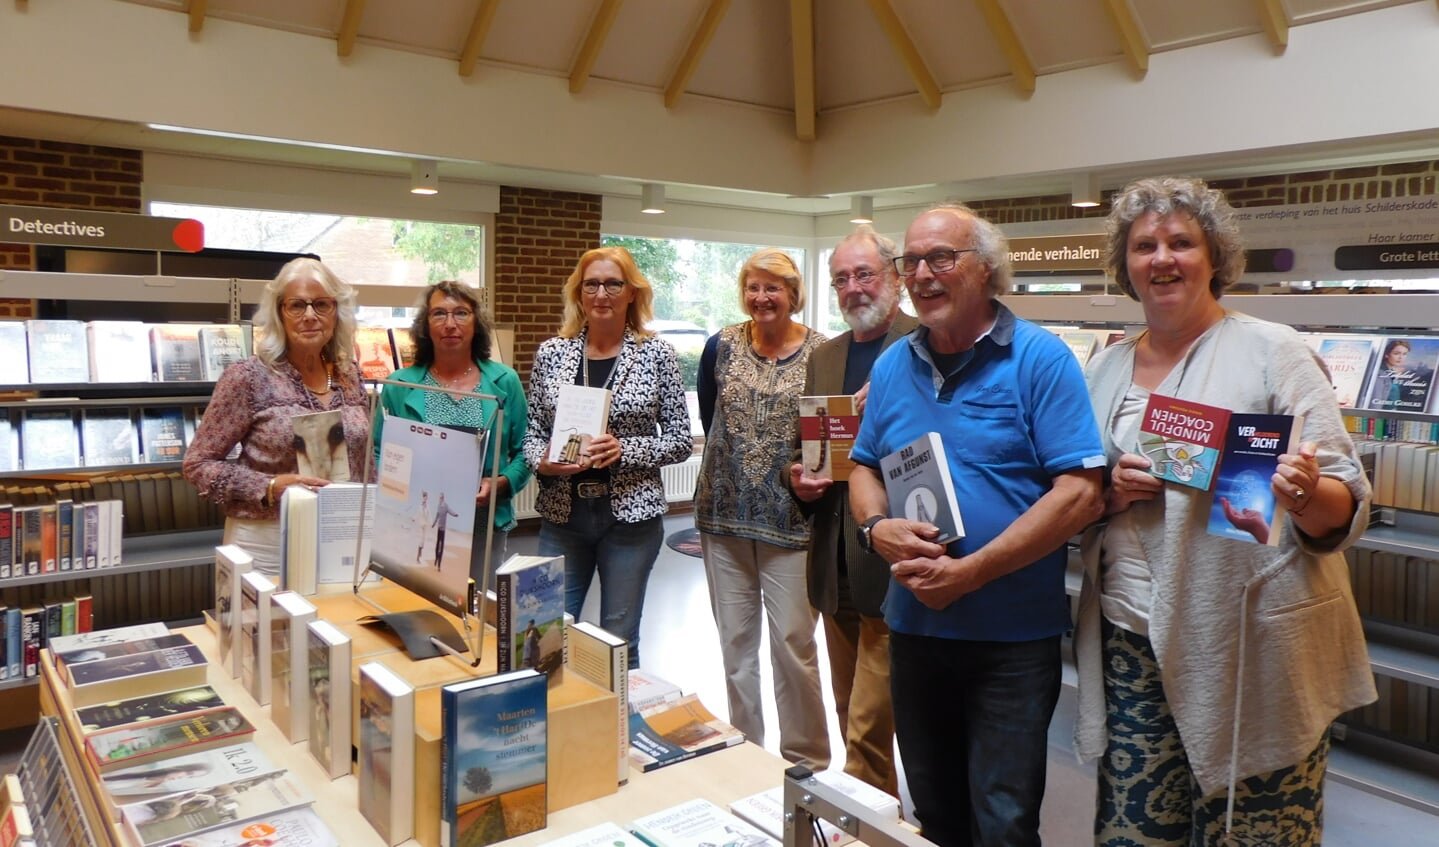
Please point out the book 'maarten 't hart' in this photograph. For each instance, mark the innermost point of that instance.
(1182, 439)
(919, 487)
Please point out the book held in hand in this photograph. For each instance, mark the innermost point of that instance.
(827, 429)
(582, 414)
(919, 487)
(529, 613)
(1244, 505)
(318, 529)
(387, 752)
(1182, 439)
(320, 448)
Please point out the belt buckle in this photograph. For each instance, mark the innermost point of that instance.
(591, 490)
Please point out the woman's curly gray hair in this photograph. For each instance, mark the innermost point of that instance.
(1165, 195)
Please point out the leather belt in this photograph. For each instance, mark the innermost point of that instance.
(591, 490)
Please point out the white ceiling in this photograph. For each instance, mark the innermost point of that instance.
(754, 61)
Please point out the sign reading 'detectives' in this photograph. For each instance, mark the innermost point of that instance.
(34, 225)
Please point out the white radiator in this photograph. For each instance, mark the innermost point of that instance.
(679, 481)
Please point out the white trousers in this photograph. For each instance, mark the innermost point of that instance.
(742, 575)
(261, 539)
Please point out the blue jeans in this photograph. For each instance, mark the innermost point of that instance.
(972, 719)
(623, 553)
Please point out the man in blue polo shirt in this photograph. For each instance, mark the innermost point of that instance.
(976, 626)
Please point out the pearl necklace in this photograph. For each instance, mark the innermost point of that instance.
(453, 383)
(329, 382)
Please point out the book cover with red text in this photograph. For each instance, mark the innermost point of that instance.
(1183, 439)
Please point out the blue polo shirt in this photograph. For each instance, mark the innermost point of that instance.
(1013, 415)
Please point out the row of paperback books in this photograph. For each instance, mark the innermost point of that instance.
(54, 439)
(60, 537)
(154, 501)
(29, 629)
(1406, 711)
(1390, 429)
(59, 351)
(1395, 588)
(1404, 476)
(175, 762)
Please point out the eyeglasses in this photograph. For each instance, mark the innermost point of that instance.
(859, 277)
(939, 261)
(461, 316)
(611, 286)
(295, 307)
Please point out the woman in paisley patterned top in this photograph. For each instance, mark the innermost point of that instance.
(452, 350)
(753, 535)
(304, 363)
(604, 511)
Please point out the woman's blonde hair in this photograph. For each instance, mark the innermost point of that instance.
(641, 309)
(271, 342)
(776, 263)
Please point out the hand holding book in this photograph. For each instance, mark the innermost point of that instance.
(1131, 481)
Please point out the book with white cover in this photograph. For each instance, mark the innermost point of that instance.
(231, 563)
(329, 678)
(582, 414)
(108, 437)
(14, 354)
(102, 637)
(190, 772)
(318, 530)
(918, 485)
(387, 752)
(765, 811)
(648, 691)
(58, 351)
(604, 659)
(606, 834)
(696, 823)
(294, 828)
(255, 592)
(119, 351)
(49, 440)
(861, 792)
(290, 615)
(220, 346)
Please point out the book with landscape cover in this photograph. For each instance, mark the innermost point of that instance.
(48, 440)
(124, 677)
(1182, 439)
(107, 437)
(221, 346)
(827, 429)
(176, 352)
(231, 563)
(119, 351)
(162, 433)
(320, 448)
(329, 679)
(65, 659)
(919, 488)
(295, 828)
(675, 732)
(604, 659)
(695, 823)
(188, 772)
(255, 592)
(1402, 379)
(387, 752)
(147, 707)
(374, 352)
(14, 354)
(165, 820)
(529, 613)
(137, 744)
(1244, 506)
(1348, 359)
(494, 778)
(318, 529)
(582, 413)
(58, 351)
(290, 616)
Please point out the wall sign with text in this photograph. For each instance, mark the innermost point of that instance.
(75, 228)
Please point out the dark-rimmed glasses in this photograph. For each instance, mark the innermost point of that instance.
(295, 307)
(611, 286)
(939, 261)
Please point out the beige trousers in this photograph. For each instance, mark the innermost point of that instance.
(859, 675)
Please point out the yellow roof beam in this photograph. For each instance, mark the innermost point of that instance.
(695, 51)
(1276, 24)
(197, 15)
(1003, 31)
(908, 53)
(1134, 46)
(801, 34)
(475, 40)
(594, 42)
(350, 26)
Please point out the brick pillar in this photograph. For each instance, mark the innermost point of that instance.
(65, 176)
(539, 236)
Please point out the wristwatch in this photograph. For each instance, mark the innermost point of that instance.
(865, 532)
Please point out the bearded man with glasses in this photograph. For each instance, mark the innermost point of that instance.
(975, 626)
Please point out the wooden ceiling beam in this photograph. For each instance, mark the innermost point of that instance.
(1276, 23)
(695, 51)
(350, 26)
(1128, 27)
(594, 42)
(197, 15)
(475, 40)
(801, 36)
(908, 54)
(1003, 31)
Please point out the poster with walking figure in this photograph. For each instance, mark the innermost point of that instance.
(424, 510)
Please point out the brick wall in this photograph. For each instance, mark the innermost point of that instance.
(66, 176)
(539, 236)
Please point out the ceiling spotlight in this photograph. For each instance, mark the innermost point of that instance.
(861, 209)
(652, 199)
(424, 177)
(1084, 191)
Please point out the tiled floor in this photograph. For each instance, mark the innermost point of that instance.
(681, 645)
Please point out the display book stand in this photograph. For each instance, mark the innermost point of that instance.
(806, 798)
(424, 631)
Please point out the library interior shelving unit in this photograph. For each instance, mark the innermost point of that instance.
(1392, 747)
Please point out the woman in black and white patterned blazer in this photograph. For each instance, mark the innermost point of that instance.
(603, 510)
